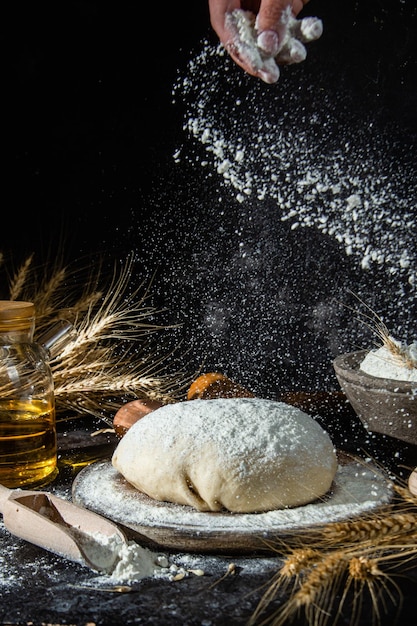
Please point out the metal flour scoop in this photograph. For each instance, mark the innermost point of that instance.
(62, 527)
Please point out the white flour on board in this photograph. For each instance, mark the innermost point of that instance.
(357, 488)
(341, 177)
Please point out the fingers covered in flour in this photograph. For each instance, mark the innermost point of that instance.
(292, 52)
(244, 50)
(259, 52)
(307, 29)
(297, 33)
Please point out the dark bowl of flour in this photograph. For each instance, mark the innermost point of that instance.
(384, 405)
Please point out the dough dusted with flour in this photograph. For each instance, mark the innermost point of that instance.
(245, 455)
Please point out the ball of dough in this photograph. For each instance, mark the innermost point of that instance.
(245, 455)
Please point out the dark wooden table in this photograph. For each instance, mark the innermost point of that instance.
(38, 587)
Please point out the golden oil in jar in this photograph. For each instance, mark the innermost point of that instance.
(28, 449)
(28, 439)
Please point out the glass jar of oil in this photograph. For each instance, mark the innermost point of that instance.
(28, 443)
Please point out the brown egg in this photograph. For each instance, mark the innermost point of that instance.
(131, 412)
(216, 385)
(206, 386)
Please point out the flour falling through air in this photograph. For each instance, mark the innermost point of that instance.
(339, 175)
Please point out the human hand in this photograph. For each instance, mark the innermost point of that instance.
(259, 35)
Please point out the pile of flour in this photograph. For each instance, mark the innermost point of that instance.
(128, 561)
(383, 363)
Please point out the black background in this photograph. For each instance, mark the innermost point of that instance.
(90, 172)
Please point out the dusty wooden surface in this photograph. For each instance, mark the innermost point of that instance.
(38, 587)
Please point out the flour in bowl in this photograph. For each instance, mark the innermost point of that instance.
(400, 364)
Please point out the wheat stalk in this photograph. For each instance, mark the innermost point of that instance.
(378, 327)
(297, 561)
(111, 359)
(325, 585)
(376, 528)
(293, 566)
(405, 494)
(317, 587)
(365, 575)
(355, 560)
(315, 595)
(19, 279)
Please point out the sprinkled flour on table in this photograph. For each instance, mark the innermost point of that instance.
(122, 561)
(135, 565)
(129, 561)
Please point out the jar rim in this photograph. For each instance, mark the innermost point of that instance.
(16, 310)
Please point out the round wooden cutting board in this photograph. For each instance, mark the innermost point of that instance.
(357, 489)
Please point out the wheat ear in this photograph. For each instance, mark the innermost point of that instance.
(375, 323)
(375, 529)
(293, 566)
(20, 278)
